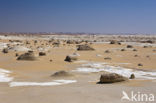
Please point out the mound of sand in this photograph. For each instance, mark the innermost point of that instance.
(84, 47)
(61, 73)
(27, 56)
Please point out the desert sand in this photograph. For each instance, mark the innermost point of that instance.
(31, 81)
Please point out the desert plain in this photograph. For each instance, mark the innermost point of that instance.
(39, 80)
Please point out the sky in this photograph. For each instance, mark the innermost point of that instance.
(90, 16)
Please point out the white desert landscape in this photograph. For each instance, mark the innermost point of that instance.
(76, 68)
(77, 51)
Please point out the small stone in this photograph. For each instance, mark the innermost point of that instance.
(5, 50)
(107, 51)
(129, 46)
(16, 54)
(145, 46)
(148, 56)
(134, 49)
(115, 42)
(132, 76)
(107, 58)
(135, 55)
(70, 58)
(123, 50)
(42, 54)
(140, 64)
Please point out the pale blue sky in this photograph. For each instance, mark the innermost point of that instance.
(102, 16)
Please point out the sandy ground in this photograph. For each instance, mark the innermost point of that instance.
(85, 90)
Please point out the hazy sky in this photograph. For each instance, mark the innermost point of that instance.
(102, 16)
